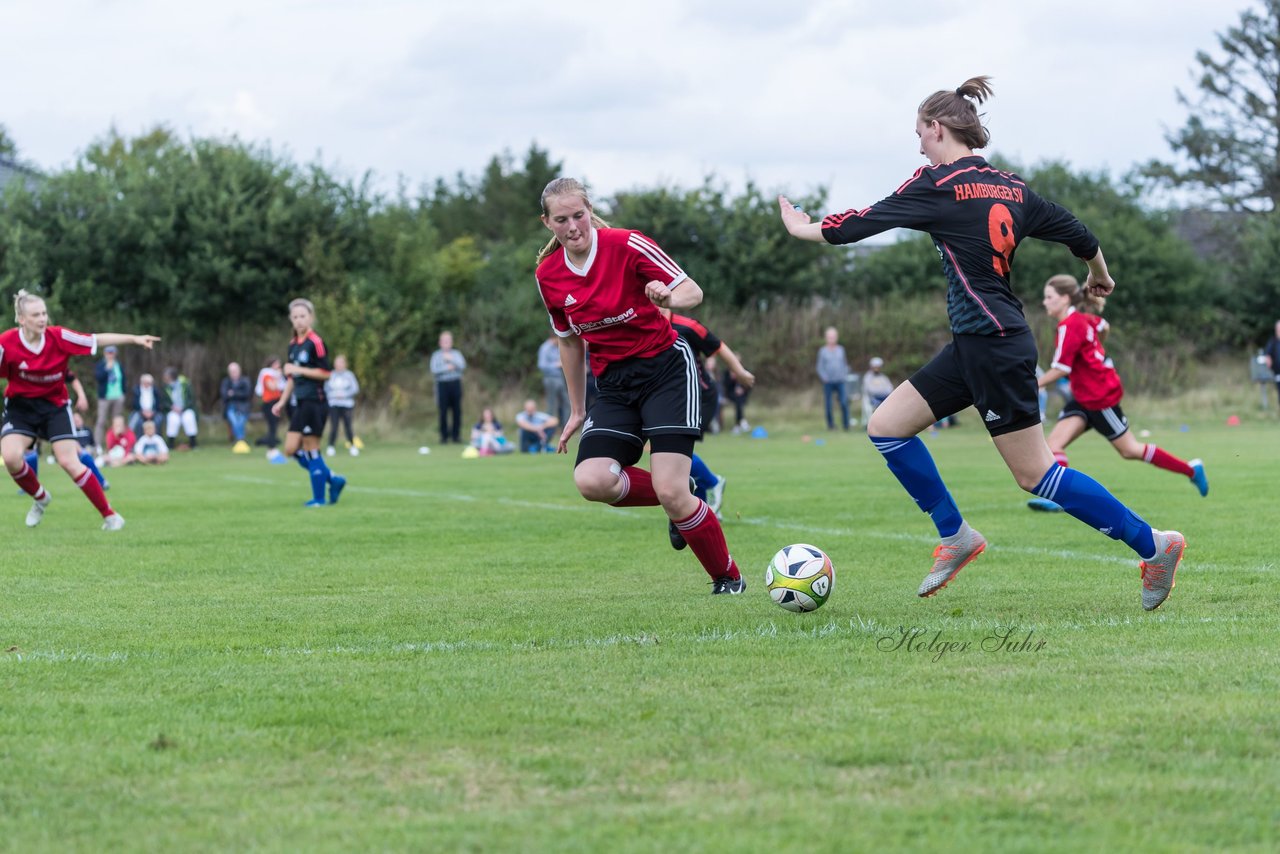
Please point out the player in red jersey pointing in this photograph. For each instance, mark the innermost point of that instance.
(33, 357)
(603, 287)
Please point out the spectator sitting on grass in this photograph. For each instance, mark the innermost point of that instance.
(487, 436)
(150, 448)
(120, 442)
(535, 429)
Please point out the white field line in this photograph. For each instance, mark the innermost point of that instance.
(804, 528)
(853, 628)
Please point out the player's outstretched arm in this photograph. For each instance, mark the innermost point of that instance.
(798, 222)
(108, 338)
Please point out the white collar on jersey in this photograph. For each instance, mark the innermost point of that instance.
(37, 347)
(591, 256)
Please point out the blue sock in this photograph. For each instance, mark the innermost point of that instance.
(303, 459)
(86, 460)
(1089, 501)
(703, 477)
(32, 458)
(912, 464)
(319, 475)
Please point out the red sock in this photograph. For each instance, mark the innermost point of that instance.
(29, 482)
(637, 488)
(1165, 460)
(93, 491)
(705, 537)
(1061, 458)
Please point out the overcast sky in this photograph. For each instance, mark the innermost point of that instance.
(791, 95)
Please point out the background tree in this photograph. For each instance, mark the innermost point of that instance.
(734, 247)
(1232, 140)
(8, 148)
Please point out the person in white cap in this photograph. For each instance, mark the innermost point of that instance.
(875, 386)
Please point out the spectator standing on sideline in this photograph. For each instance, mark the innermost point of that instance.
(182, 409)
(553, 379)
(447, 365)
(236, 394)
(833, 370)
(111, 388)
(1272, 354)
(268, 387)
(341, 388)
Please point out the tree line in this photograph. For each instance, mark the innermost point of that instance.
(204, 241)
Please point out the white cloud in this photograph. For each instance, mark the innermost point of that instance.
(626, 96)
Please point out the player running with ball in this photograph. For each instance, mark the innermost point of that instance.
(976, 215)
(33, 358)
(603, 287)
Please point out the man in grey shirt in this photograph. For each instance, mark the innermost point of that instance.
(833, 370)
(553, 379)
(447, 365)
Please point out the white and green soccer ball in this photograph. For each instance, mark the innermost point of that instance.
(800, 577)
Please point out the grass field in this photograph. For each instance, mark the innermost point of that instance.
(464, 655)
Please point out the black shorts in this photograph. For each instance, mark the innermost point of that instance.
(38, 418)
(639, 400)
(996, 374)
(309, 418)
(1110, 422)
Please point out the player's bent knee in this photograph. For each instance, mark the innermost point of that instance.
(1028, 481)
(876, 424)
(674, 496)
(596, 485)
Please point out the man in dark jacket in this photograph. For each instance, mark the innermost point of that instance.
(147, 402)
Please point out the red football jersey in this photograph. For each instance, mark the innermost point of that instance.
(1094, 381)
(603, 301)
(41, 370)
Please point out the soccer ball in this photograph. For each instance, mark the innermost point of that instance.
(800, 577)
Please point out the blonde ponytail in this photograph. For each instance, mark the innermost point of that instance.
(20, 301)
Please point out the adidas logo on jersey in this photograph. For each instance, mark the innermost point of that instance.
(22, 366)
(587, 425)
(569, 300)
(991, 416)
